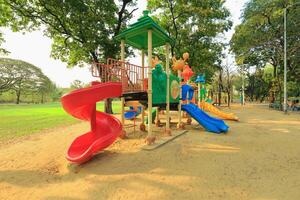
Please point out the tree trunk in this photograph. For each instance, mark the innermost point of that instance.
(108, 106)
(220, 89)
(219, 96)
(231, 95)
(42, 98)
(228, 98)
(18, 93)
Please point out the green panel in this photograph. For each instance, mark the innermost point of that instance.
(159, 86)
(140, 41)
(174, 89)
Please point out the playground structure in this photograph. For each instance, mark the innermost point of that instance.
(209, 123)
(141, 87)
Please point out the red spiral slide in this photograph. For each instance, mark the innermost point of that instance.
(105, 128)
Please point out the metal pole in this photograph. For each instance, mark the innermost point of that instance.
(243, 87)
(285, 63)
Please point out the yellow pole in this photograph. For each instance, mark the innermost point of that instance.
(143, 68)
(122, 72)
(150, 138)
(142, 125)
(123, 134)
(168, 130)
(189, 120)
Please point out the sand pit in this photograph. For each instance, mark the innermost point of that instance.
(258, 159)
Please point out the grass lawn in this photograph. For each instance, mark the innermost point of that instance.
(25, 119)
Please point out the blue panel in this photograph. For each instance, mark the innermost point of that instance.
(185, 90)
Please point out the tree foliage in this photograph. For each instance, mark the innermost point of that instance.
(23, 78)
(258, 40)
(194, 25)
(82, 31)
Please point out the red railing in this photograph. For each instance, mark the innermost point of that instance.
(132, 77)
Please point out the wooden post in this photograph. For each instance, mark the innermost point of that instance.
(142, 125)
(189, 120)
(122, 98)
(168, 130)
(143, 68)
(150, 138)
(180, 124)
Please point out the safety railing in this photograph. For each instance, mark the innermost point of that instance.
(132, 77)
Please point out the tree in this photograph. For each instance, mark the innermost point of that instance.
(44, 87)
(194, 25)
(82, 31)
(8, 73)
(3, 22)
(217, 85)
(23, 77)
(228, 82)
(2, 50)
(56, 94)
(258, 82)
(258, 40)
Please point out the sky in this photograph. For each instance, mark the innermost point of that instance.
(35, 48)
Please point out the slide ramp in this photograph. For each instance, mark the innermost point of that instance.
(105, 128)
(210, 108)
(209, 123)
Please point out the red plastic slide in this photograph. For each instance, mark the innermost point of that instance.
(105, 128)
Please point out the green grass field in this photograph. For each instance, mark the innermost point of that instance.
(25, 119)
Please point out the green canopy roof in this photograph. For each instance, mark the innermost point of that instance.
(137, 34)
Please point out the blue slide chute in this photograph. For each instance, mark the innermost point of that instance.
(132, 113)
(209, 123)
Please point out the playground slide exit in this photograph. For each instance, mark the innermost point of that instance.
(210, 108)
(105, 128)
(209, 123)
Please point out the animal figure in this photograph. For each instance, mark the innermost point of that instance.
(179, 64)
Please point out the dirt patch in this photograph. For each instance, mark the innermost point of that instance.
(257, 159)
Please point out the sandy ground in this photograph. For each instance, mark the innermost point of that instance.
(258, 159)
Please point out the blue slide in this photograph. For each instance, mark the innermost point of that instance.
(132, 114)
(209, 123)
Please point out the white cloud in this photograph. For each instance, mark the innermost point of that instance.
(35, 48)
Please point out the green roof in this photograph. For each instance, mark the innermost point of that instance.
(137, 34)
